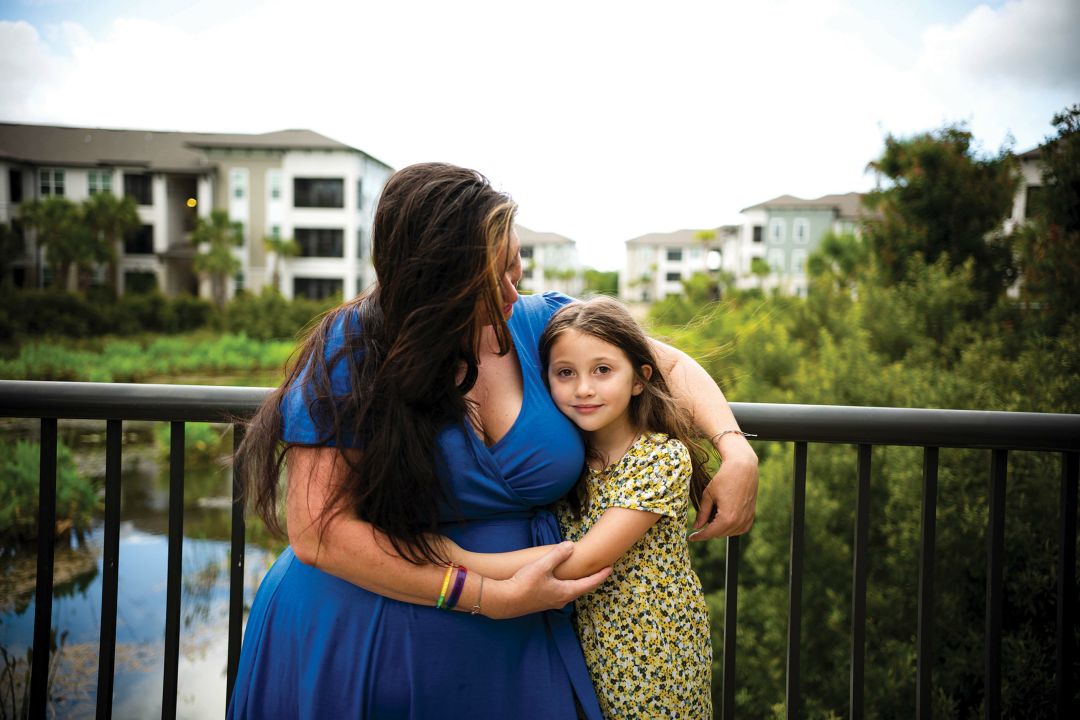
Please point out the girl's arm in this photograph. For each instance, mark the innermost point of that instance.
(354, 551)
(730, 500)
(611, 536)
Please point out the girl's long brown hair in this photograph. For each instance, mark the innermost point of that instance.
(411, 349)
(654, 409)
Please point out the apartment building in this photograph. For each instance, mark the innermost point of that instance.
(549, 261)
(785, 230)
(291, 183)
(657, 263)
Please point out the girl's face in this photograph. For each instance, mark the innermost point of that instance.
(592, 381)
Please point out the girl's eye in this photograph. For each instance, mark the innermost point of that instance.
(603, 369)
(565, 372)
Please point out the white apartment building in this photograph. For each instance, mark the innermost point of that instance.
(549, 261)
(784, 232)
(657, 263)
(291, 183)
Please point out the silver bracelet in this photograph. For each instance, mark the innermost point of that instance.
(716, 438)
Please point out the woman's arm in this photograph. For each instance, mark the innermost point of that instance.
(355, 551)
(605, 542)
(730, 500)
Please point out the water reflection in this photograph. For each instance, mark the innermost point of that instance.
(142, 583)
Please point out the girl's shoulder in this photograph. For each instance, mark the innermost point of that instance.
(658, 447)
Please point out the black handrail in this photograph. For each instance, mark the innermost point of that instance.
(865, 427)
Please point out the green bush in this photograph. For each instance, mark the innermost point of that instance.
(270, 316)
(76, 498)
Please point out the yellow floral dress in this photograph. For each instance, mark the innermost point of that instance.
(645, 631)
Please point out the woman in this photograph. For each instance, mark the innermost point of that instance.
(418, 410)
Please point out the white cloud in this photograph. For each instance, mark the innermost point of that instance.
(1030, 43)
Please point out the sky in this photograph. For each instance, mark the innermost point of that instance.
(605, 120)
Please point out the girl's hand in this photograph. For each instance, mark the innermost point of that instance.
(535, 588)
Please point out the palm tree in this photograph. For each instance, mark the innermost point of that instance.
(280, 248)
(109, 219)
(216, 237)
(61, 232)
(760, 269)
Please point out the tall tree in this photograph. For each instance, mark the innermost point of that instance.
(216, 237)
(109, 218)
(1050, 243)
(941, 198)
(60, 230)
(280, 248)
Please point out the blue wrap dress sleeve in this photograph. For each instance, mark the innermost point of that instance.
(316, 646)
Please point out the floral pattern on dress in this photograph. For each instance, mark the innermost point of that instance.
(645, 631)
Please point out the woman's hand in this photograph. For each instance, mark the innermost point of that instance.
(535, 588)
(730, 499)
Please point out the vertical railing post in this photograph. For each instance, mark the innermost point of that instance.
(236, 569)
(110, 565)
(798, 531)
(175, 568)
(1066, 586)
(925, 634)
(995, 560)
(731, 604)
(46, 546)
(858, 584)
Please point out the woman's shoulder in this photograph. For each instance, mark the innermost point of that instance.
(534, 311)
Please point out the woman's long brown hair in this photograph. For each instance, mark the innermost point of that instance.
(411, 349)
(654, 409)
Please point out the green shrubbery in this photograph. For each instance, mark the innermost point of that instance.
(135, 360)
(76, 499)
(27, 314)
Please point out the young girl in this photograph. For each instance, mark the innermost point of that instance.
(645, 631)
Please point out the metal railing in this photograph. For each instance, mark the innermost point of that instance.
(998, 432)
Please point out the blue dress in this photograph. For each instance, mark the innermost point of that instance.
(316, 646)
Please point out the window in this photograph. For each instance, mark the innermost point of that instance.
(776, 261)
(674, 254)
(52, 182)
(776, 231)
(15, 185)
(100, 181)
(238, 278)
(526, 252)
(138, 283)
(274, 181)
(527, 274)
(800, 230)
(321, 242)
(674, 277)
(759, 233)
(318, 192)
(275, 231)
(140, 242)
(1033, 201)
(360, 194)
(238, 183)
(316, 288)
(361, 251)
(137, 187)
(798, 262)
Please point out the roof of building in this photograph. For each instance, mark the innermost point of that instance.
(848, 205)
(531, 237)
(152, 149)
(679, 238)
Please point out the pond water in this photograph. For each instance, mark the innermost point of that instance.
(140, 622)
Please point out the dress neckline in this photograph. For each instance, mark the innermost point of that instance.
(514, 344)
